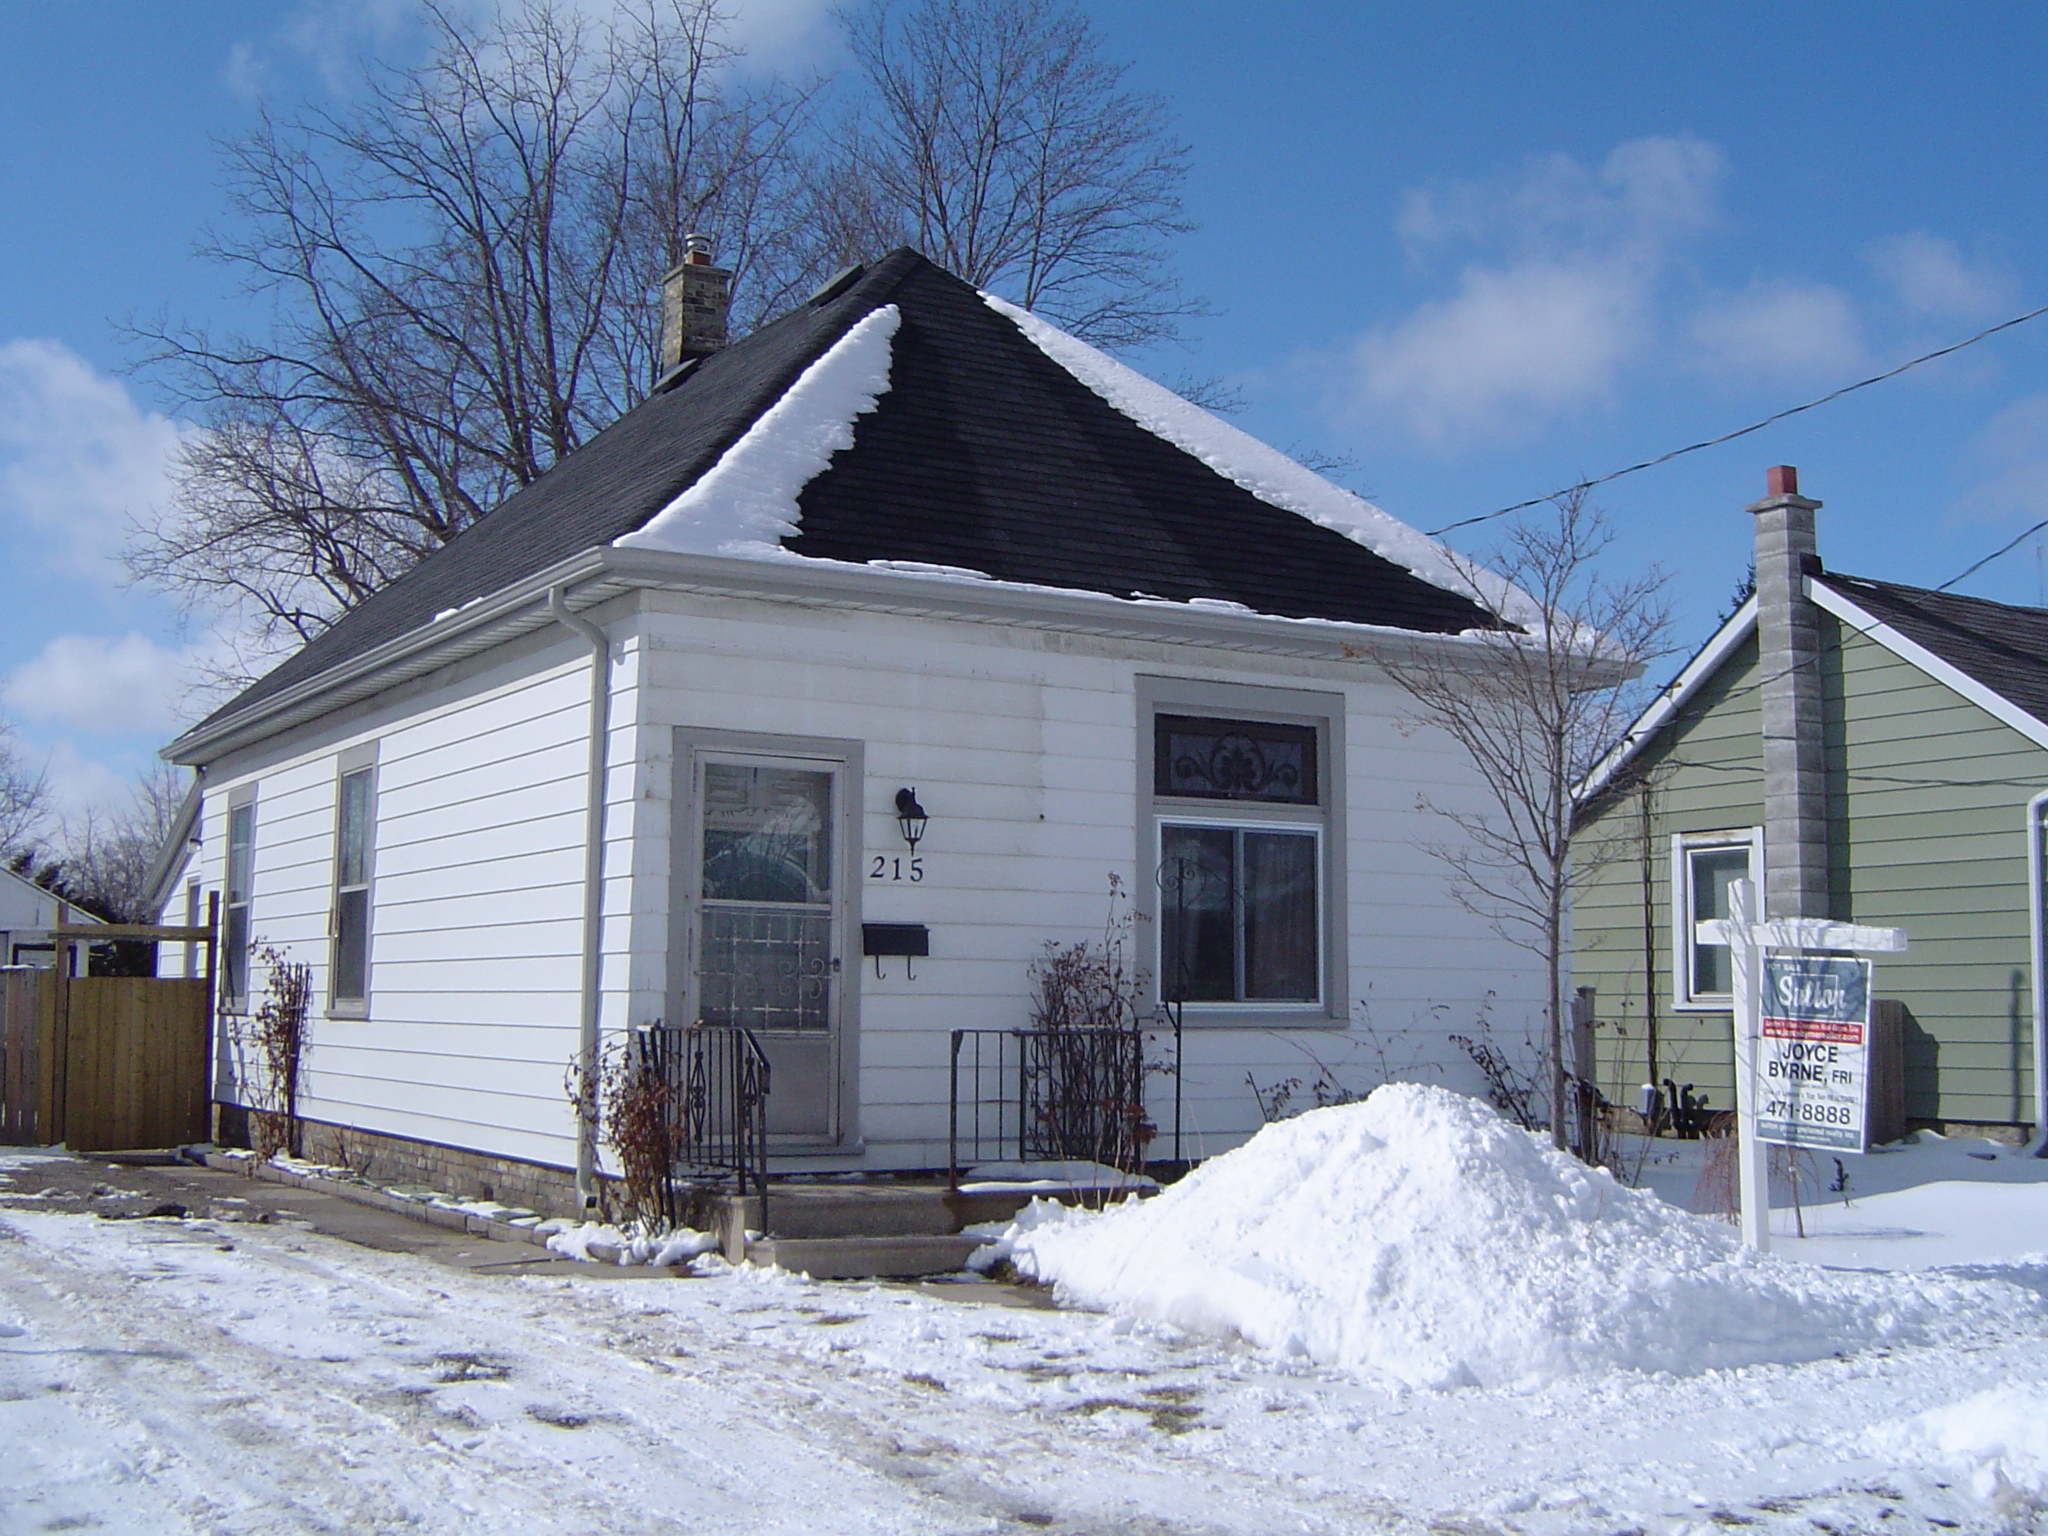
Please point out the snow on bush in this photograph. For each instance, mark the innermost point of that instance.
(1421, 1237)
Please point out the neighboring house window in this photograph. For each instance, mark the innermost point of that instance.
(234, 970)
(1704, 867)
(1239, 809)
(354, 821)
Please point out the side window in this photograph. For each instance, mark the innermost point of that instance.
(1240, 827)
(234, 944)
(1704, 866)
(354, 835)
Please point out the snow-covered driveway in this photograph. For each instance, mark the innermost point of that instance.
(166, 1376)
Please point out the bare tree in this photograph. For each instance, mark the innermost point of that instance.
(461, 266)
(1535, 704)
(998, 140)
(106, 855)
(24, 799)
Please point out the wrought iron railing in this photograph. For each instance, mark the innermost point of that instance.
(1058, 1095)
(717, 1077)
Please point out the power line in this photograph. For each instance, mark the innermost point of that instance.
(1757, 426)
(2003, 549)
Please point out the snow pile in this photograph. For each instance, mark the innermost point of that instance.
(1419, 1236)
(1998, 1440)
(1264, 470)
(595, 1243)
(747, 502)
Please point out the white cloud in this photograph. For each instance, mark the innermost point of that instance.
(1932, 279)
(106, 686)
(1560, 300)
(78, 456)
(2011, 454)
(1513, 346)
(80, 784)
(1781, 331)
(333, 38)
(330, 37)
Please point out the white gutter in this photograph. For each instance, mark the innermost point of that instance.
(592, 997)
(2035, 809)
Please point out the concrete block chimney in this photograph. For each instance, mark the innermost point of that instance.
(696, 299)
(1795, 750)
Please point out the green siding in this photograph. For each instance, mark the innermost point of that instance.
(1705, 773)
(1927, 800)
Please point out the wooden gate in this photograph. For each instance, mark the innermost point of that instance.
(106, 1063)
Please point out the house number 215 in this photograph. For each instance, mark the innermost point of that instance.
(898, 868)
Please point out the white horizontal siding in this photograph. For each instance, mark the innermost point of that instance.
(477, 926)
(1024, 748)
(1026, 756)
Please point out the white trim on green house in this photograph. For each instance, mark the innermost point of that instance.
(1718, 648)
(1993, 703)
(2037, 901)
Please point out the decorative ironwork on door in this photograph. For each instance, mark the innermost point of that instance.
(765, 953)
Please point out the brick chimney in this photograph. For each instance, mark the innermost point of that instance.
(695, 300)
(1795, 753)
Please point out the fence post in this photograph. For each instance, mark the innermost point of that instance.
(1583, 1076)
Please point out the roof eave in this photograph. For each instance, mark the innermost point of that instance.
(596, 575)
(1669, 701)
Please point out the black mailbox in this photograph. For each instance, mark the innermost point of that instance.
(895, 939)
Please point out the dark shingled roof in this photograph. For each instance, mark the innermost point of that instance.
(1999, 645)
(983, 453)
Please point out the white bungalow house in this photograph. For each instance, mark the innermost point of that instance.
(631, 749)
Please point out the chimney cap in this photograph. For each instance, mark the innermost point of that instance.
(697, 249)
(1781, 480)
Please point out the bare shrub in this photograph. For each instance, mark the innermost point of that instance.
(1517, 1080)
(279, 1029)
(1087, 1060)
(627, 1096)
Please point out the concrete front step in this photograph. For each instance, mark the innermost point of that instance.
(862, 1258)
(860, 1210)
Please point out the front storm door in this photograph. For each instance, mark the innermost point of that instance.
(768, 924)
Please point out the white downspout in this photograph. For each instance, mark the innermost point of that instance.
(2039, 946)
(592, 999)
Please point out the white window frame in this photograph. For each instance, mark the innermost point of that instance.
(356, 761)
(1325, 713)
(234, 959)
(2037, 911)
(1684, 925)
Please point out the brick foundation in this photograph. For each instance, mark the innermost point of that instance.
(401, 1160)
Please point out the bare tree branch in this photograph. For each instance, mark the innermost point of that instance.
(1533, 711)
(999, 142)
(24, 799)
(461, 267)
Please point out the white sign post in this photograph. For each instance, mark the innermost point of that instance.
(1786, 1085)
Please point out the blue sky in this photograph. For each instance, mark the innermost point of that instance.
(1484, 249)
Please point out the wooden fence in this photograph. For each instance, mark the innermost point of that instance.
(106, 1063)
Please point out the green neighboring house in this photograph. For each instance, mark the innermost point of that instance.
(1868, 752)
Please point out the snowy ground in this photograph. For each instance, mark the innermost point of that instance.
(193, 1375)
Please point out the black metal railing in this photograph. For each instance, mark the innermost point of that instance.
(717, 1077)
(1051, 1095)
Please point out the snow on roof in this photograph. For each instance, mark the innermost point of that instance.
(1264, 470)
(747, 502)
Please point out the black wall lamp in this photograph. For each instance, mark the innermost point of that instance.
(910, 817)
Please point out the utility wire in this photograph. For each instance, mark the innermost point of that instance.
(1729, 437)
(2003, 549)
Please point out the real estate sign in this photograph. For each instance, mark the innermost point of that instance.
(1813, 1051)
